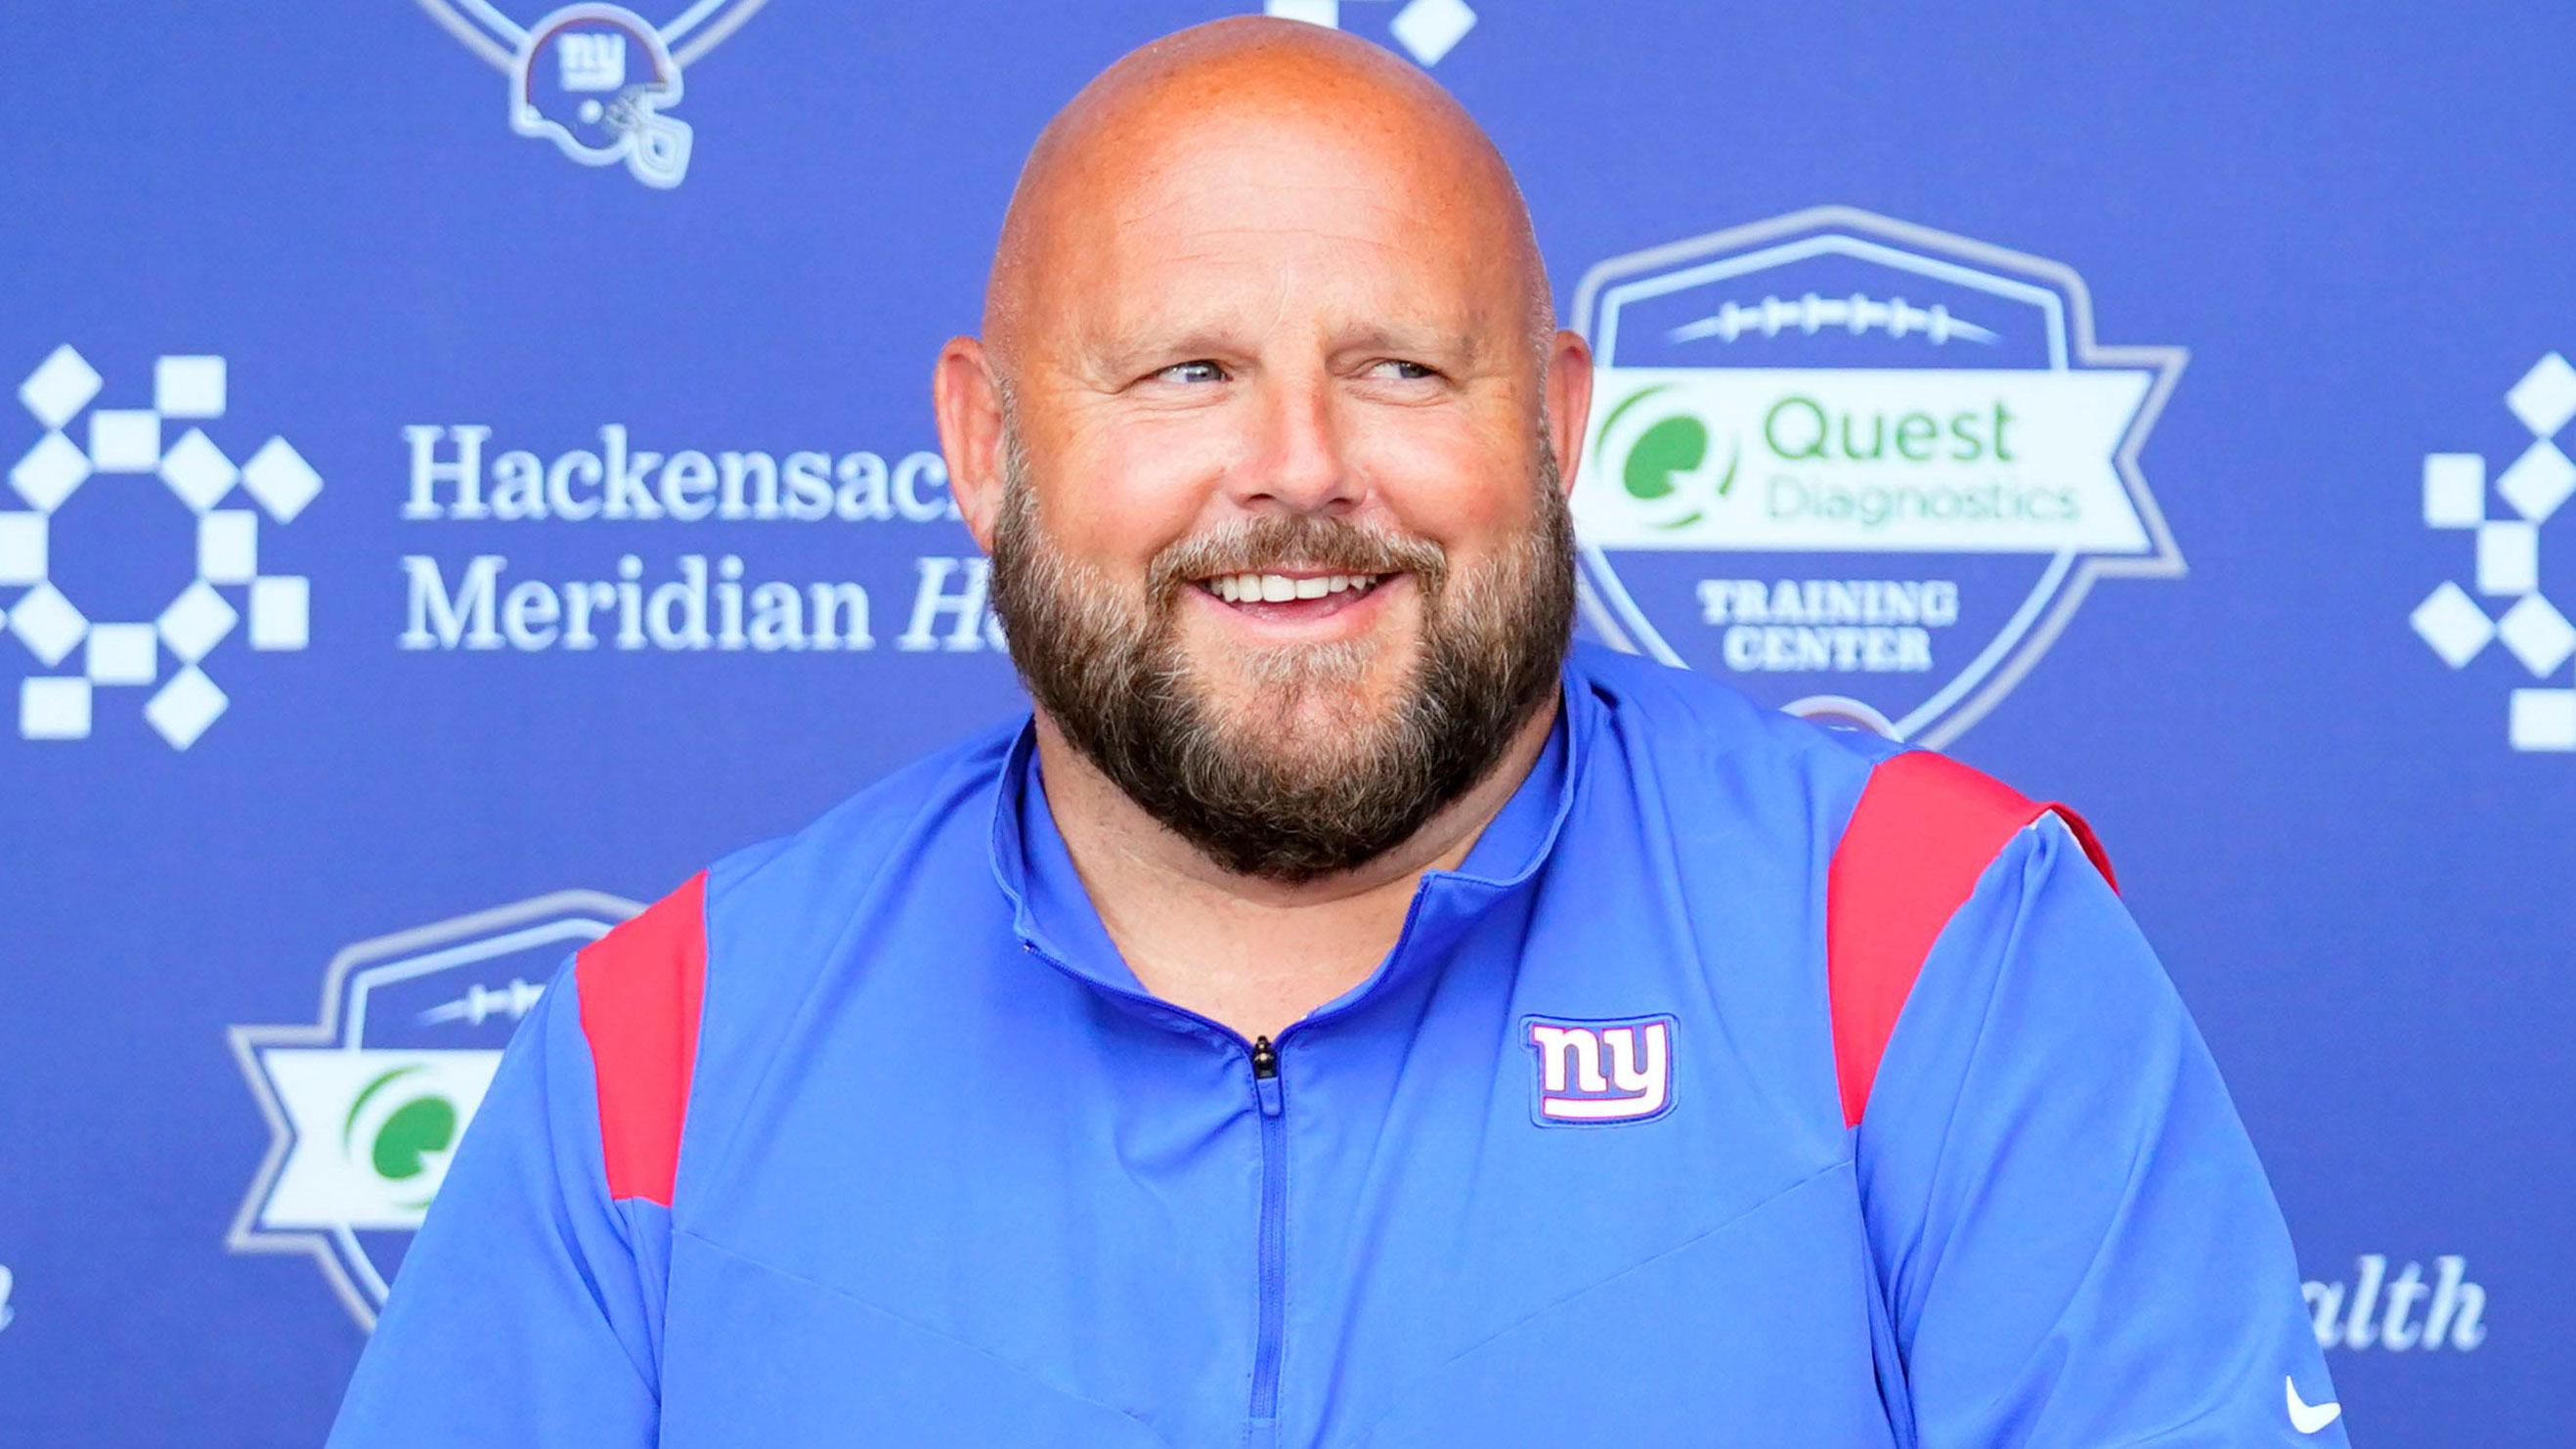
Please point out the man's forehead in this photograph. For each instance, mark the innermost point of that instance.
(1248, 245)
(1232, 147)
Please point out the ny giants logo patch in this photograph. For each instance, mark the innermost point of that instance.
(1598, 1072)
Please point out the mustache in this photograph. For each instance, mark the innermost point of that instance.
(1294, 541)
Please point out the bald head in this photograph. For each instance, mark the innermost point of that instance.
(1226, 109)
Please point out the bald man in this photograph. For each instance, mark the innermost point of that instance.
(1340, 1014)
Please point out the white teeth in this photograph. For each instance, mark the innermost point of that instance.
(1279, 588)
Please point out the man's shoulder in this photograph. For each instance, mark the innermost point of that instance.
(933, 812)
(929, 818)
(684, 1003)
(1716, 759)
(1700, 729)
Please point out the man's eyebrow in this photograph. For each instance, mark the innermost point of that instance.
(1139, 342)
(1133, 345)
(1412, 341)
(1116, 350)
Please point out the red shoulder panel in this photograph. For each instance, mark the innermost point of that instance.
(640, 986)
(1925, 829)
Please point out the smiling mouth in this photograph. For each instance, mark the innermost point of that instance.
(1269, 588)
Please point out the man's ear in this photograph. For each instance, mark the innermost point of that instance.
(968, 402)
(1569, 402)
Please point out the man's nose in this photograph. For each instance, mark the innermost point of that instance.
(1297, 461)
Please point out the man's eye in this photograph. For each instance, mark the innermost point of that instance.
(1199, 370)
(1401, 370)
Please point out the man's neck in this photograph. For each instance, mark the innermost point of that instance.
(1254, 954)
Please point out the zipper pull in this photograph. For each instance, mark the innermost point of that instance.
(1265, 1076)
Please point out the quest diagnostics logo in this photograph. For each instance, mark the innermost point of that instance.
(366, 1106)
(1864, 469)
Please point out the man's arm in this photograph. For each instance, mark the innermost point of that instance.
(527, 1310)
(2075, 1240)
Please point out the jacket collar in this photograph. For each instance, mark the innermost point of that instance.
(1053, 915)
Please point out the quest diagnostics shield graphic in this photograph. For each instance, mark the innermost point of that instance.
(365, 1108)
(1862, 469)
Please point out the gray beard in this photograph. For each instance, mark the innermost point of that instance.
(1115, 679)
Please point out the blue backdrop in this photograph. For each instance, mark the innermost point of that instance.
(356, 403)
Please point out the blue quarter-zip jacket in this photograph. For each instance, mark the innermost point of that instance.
(868, 1137)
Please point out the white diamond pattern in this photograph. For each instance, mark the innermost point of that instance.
(2546, 397)
(198, 471)
(1431, 28)
(185, 707)
(2532, 627)
(280, 479)
(2538, 481)
(60, 387)
(2453, 624)
(49, 472)
(47, 624)
(200, 475)
(1427, 29)
(197, 622)
(2538, 635)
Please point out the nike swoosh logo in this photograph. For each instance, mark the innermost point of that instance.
(2305, 1417)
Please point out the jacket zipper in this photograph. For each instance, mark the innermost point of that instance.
(1272, 1273)
(1273, 1248)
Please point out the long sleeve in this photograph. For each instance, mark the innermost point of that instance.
(527, 1310)
(2076, 1243)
